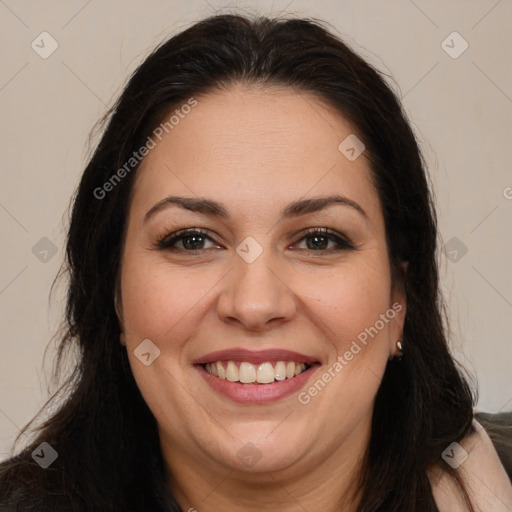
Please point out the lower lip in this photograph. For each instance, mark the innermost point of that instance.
(257, 393)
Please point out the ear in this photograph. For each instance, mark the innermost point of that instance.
(398, 304)
(118, 305)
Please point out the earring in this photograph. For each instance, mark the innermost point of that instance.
(400, 351)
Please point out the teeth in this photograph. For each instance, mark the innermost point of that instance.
(232, 373)
(280, 371)
(265, 373)
(220, 370)
(248, 373)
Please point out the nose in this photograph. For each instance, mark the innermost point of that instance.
(255, 297)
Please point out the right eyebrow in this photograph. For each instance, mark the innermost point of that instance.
(200, 205)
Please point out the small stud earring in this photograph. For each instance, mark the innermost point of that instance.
(400, 351)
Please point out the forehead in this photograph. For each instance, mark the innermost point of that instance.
(255, 147)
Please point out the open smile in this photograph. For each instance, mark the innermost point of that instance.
(256, 377)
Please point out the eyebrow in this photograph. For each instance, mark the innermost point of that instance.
(213, 208)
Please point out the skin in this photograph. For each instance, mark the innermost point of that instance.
(255, 150)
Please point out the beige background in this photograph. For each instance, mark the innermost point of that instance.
(461, 109)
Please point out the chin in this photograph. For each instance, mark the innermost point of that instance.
(253, 460)
(257, 454)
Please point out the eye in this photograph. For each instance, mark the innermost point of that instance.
(189, 240)
(195, 240)
(318, 239)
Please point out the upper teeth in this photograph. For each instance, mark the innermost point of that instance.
(248, 373)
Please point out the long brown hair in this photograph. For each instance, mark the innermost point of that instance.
(108, 450)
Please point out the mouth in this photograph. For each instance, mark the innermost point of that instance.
(256, 377)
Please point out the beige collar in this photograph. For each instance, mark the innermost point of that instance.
(485, 477)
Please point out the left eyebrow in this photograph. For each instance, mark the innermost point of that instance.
(316, 204)
(213, 208)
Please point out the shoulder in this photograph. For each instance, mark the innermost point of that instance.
(499, 428)
(479, 467)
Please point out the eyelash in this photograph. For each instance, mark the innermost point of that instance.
(168, 241)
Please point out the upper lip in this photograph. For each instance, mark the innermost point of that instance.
(255, 357)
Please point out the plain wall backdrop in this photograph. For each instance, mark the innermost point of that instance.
(64, 62)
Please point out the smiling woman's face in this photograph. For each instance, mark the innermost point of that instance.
(256, 289)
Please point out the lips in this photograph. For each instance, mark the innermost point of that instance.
(255, 357)
(256, 376)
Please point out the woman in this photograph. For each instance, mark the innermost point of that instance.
(255, 299)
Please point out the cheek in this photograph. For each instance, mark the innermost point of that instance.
(160, 302)
(347, 301)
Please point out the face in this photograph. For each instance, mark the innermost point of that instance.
(270, 309)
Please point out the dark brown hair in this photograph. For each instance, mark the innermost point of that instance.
(105, 435)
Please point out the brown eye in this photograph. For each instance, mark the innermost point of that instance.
(193, 242)
(188, 241)
(319, 239)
